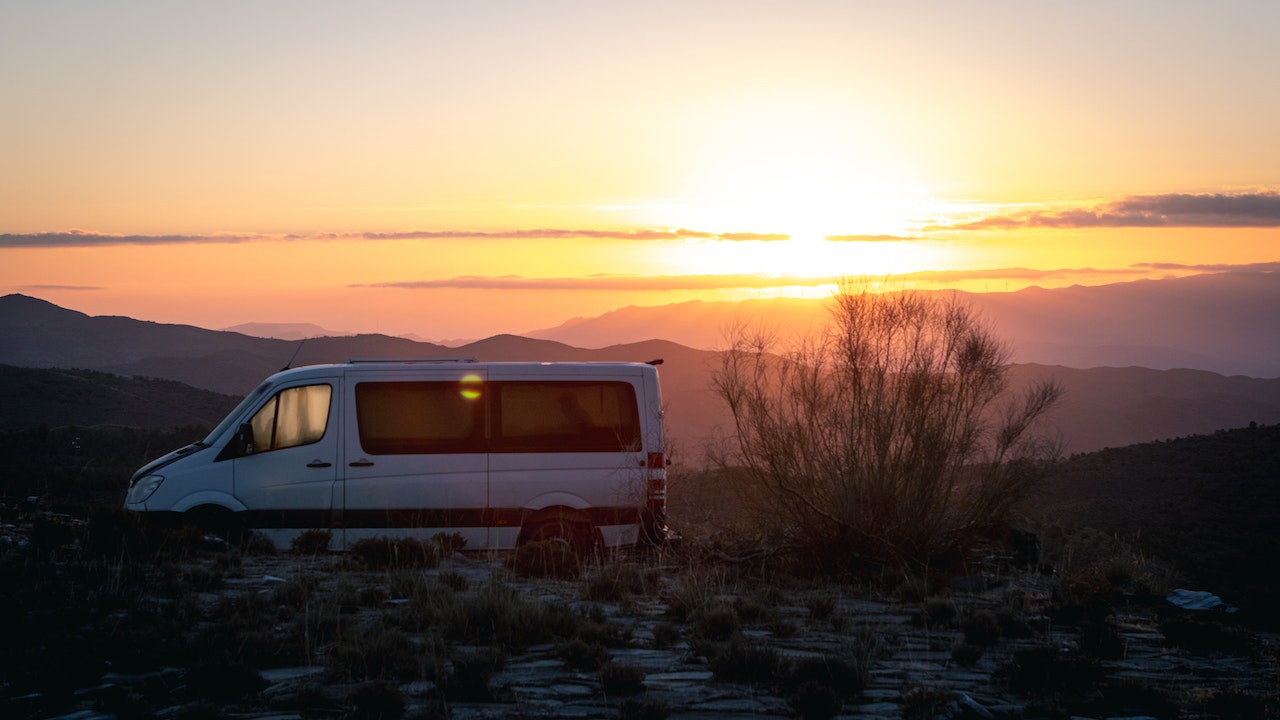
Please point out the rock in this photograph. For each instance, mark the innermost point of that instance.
(1195, 600)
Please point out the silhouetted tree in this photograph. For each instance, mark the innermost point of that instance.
(885, 435)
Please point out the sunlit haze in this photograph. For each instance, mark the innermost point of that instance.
(458, 170)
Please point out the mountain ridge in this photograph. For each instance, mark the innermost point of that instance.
(1222, 322)
(1103, 407)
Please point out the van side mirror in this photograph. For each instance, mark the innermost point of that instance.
(243, 441)
(241, 444)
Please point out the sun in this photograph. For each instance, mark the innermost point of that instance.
(831, 228)
(811, 168)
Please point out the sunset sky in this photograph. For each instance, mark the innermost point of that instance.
(460, 169)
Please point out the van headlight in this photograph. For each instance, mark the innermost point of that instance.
(144, 488)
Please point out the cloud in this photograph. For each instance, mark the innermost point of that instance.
(85, 238)
(606, 283)
(760, 237)
(870, 238)
(662, 283)
(1030, 274)
(1242, 210)
(1213, 267)
(62, 288)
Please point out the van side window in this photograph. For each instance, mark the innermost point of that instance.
(562, 416)
(294, 416)
(399, 418)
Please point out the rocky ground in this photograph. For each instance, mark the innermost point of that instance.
(285, 636)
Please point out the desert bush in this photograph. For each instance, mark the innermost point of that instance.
(498, 615)
(614, 582)
(311, 542)
(1101, 639)
(937, 612)
(1136, 699)
(1236, 703)
(385, 553)
(449, 543)
(471, 674)
(847, 679)
(717, 623)
(455, 581)
(925, 703)
(883, 438)
(620, 679)
(604, 632)
(224, 681)
(966, 655)
(579, 654)
(980, 628)
(821, 607)
(545, 559)
(381, 652)
(646, 708)
(665, 635)
(1047, 672)
(743, 661)
(377, 701)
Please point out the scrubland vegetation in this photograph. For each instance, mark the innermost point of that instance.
(882, 497)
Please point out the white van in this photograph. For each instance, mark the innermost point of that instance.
(501, 453)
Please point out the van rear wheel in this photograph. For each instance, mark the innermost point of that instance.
(555, 547)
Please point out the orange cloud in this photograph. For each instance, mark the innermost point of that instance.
(662, 283)
(1243, 210)
(84, 238)
(870, 238)
(605, 282)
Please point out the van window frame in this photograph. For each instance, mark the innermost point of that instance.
(465, 391)
(624, 436)
(486, 433)
(274, 401)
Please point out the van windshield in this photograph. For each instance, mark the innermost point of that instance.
(231, 417)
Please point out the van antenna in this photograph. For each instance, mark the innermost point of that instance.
(296, 350)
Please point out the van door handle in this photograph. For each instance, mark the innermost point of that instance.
(319, 464)
(361, 463)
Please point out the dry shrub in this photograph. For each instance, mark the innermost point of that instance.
(545, 559)
(311, 542)
(385, 553)
(884, 438)
(620, 679)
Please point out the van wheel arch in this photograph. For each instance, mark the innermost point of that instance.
(564, 525)
(217, 520)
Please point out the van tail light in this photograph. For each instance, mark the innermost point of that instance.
(657, 487)
(657, 479)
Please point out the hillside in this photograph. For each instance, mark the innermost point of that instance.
(1207, 504)
(86, 398)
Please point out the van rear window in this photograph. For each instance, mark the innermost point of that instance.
(564, 417)
(399, 418)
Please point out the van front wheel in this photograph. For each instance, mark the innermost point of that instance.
(218, 521)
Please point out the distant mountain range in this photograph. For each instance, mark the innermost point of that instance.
(285, 331)
(1103, 407)
(1223, 322)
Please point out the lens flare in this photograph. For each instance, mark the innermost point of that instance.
(471, 386)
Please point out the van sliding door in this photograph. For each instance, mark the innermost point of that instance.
(572, 443)
(415, 463)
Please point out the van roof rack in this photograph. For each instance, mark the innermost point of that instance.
(414, 360)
